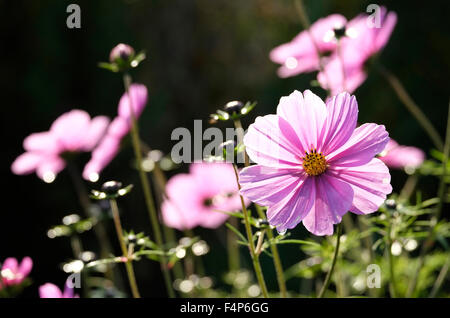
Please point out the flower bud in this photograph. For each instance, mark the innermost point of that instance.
(121, 51)
(111, 187)
(234, 106)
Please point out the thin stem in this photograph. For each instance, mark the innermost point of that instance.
(146, 188)
(306, 25)
(437, 213)
(273, 247)
(128, 265)
(412, 107)
(160, 181)
(408, 188)
(240, 136)
(99, 229)
(392, 280)
(333, 264)
(248, 229)
(440, 279)
(276, 257)
(233, 247)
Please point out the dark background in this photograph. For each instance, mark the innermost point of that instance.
(201, 54)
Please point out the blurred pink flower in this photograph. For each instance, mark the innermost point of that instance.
(195, 199)
(109, 146)
(50, 290)
(314, 164)
(344, 69)
(300, 55)
(14, 274)
(73, 131)
(401, 157)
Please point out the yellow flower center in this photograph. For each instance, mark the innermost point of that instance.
(314, 163)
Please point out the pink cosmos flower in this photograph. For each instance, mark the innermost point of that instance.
(109, 147)
(195, 199)
(401, 157)
(344, 70)
(314, 164)
(14, 274)
(72, 132)
(300, 55)
(50, 290)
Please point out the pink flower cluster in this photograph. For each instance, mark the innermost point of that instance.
(72, 132)
(109, 146)
(12, 273)
(344, 68)
(198, 198)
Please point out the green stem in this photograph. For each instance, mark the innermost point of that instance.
(128, 265)
(392, 281)
(273, 247)
(304, 20)
(99, 229)
(437, 213)
(233, 247)
(248, 229)
(440, 279)
(412, 107)
(333, 264)
(276, 257)
(146, 188)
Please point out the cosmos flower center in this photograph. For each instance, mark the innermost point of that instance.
(314, 163)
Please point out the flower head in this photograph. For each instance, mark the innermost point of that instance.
(109, 146)
(345, 70)
(50, 290)
(300, 54)
(401, 157)
(121, 51)
(196, 199)
(314, 164)
(13, 273)
(72, 132)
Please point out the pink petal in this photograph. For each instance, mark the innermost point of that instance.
(119, 128)
(333, 78)
(300, 55)
(49, 169)
(306, 114)
(366, 141)
(102, 155)
(267, 145)
(333, 199)
(267, 186)
(26, 163)
(384, 33)
(49, 290)
(340, 123)
(400, 157)
(370, 184)
(174, 217)
(96, 131)
(44, 142)
(71, 129)
(25, 266)
(138, 93)
(11, 264)
(294, 206)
